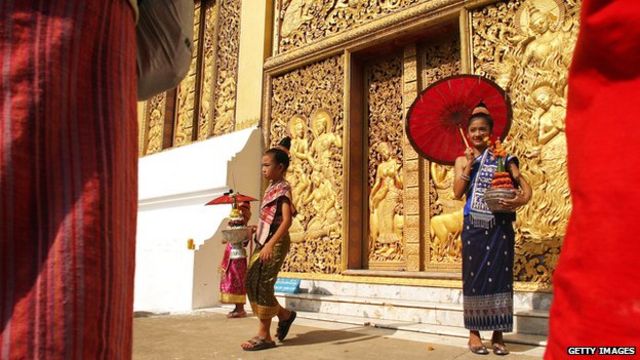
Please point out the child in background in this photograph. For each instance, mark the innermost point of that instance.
(233, 272)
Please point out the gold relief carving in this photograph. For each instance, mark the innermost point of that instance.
(154, 122)
(441, 59)
(411, 174)
(385, 209)
(296, 13)
(186, 92)
(325, 139)
(386, 204)
(306, 21)
(421, 11)
(411, 163)
(435, 208)
(227, 66)
(526, 46)
(307, 104)
(409, 152)
(209, 56)
(411, 232)
(445, 227)
(412, 201)
(301, 164)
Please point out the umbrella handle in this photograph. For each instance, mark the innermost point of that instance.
(464, 138)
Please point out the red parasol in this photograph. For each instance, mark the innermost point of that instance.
(230, 198)
(436, 116)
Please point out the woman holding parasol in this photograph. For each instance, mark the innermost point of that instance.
(487, 238)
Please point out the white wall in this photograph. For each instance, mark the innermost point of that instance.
(174, 185)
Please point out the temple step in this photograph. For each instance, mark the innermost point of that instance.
(443, 330)
(424, 307)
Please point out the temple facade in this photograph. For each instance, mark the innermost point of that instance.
(377, 234)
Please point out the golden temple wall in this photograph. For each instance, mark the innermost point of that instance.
(338, 77)
(406, 218)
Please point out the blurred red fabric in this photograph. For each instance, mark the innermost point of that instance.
(597, 282)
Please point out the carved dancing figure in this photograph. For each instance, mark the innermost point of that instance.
(384, 221)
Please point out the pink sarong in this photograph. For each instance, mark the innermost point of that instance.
(233, 273)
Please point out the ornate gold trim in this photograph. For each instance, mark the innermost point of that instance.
(264, 312)
(410, 162)
(466, 58)
(374, 279)
(346, 156)
(413, 17)
(232, 298)
(411, 281)
(474, 4)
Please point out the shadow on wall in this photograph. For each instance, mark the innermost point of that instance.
(243, 175)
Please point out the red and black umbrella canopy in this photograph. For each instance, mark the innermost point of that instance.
(229, 198)
(434, 119)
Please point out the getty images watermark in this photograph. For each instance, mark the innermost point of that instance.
(601, 350)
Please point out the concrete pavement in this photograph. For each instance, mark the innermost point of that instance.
(210, 335)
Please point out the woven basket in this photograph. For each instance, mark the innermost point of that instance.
(493, 196)
(237, 235)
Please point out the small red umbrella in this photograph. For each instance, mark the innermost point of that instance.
(230, 198)
(441, 110)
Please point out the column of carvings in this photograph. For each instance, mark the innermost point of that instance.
(208, 74)
(154, 124)
(227, 51)
(383, 89)
(411, 165)
(187, 92)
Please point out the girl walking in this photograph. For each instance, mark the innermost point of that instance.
(272, 245)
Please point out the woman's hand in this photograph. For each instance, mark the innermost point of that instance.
(513, 204)
(253, 229)
(266, 253)
(470, 155)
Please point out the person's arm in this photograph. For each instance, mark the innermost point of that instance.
(462, 173)
(525, 192)
(266, 253)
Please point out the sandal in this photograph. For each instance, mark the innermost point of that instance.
(285, 325)
(479, 349)
(236, 314)
(499, 349)
(258, 343)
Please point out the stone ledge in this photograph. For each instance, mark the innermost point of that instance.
(514, 338)
(416, 304)
(407, 274)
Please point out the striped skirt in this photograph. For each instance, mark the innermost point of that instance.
(487, 273)
(68, 178)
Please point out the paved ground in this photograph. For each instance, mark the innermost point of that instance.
(210, 335)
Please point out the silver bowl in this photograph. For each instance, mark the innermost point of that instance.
(493, 196)
(236, 235)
